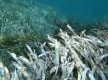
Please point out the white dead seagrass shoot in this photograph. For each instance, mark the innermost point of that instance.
(72, 57)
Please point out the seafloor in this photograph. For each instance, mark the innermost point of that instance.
(39, 43)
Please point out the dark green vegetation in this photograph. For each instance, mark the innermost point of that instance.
(71, 57)
(24, 21)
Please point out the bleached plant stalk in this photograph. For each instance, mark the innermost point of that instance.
(74, 57)
(4, 73)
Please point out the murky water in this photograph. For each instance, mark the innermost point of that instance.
(81, 10)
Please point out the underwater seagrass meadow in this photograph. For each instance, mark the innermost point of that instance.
(46, 40)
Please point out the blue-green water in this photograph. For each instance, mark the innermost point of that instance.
(81, 10)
